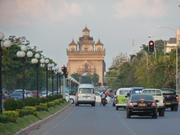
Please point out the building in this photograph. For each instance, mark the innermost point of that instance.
(173, 42)
(86, 56)
(170, 45)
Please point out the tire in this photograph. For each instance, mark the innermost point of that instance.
(93, 104)
(161, 112)
(172, 108)
(71, 101)
(154, 116)
(117, 108)
(128, 114)
(175, 108)
(77, 104)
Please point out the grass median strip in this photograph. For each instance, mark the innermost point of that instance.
(11, 128)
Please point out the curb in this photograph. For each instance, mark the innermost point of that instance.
(37, 124)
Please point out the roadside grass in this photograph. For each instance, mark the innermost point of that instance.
(11, 128)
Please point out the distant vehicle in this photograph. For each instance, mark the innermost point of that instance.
(18, 94)
(85, 95)
(171, 99)
(136, 90)
(158, 96)
(98, 97)
(43, 93)
(72, 96)
(122, 97)
(141, 105)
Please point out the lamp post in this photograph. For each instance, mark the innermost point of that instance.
(51, 68)
(37, 61)
(3, 44)
(46, 66)
(24, 53)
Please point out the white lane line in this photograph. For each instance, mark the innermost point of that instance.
(125, 124)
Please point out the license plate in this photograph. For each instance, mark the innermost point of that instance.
(167, 103)
(141, 105)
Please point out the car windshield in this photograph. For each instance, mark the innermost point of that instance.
(153, 92)
(123, 92)
(85, 90)
(139, 97)
(168, 91)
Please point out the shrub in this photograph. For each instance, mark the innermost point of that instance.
(11, 104)
(3, 118)
(42, 107)
(11, 115)
(51, 104)
(27, 110)
(31, 101)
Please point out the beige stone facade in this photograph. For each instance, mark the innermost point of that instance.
(86, 56)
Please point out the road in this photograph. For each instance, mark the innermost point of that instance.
(99, 120)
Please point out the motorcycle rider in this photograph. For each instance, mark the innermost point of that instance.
(103, 97)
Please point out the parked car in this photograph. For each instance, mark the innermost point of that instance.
(141, 105)
(43, 93)
(122, 97)
(171, 99)
(18, 94)
(158, 96)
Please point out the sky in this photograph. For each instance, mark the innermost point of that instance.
(121, 25)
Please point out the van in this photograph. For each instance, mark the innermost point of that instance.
(121, 97)
(85, 95)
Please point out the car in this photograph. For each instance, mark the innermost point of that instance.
(121, 97)
(72, 96)
(158, 96)
(141, 105)
(136, 90)
(18, 94)
(171, 99)
(85, 95)
(43, 93)
(98, 96)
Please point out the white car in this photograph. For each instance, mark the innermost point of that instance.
(85, 95)
(158, 96)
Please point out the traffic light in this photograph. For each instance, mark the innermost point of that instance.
(151, 46)
(64, 70)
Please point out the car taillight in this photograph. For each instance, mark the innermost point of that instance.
(130, 104)
(153, 104)
(177, 98)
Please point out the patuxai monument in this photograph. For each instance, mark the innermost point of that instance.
(86, 56)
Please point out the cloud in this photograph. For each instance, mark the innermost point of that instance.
(139, 8)
(27, 11)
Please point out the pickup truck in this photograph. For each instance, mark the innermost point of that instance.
(171, 99)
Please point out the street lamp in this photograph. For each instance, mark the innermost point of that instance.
(51, 68)
(24, 53)
(37, 61)
(46, 66)
(3, 44)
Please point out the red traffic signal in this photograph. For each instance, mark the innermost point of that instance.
(151, 46)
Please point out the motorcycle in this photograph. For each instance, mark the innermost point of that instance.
(103, 101)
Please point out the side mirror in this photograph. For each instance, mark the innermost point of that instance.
(128, 95)
(157, 101)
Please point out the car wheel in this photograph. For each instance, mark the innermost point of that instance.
(128, 114)
(154, 116)
(77, 104)
(172, 108)
(93, 104)
(71, 101)
(161, 112)
(175, 108)
(117, 108)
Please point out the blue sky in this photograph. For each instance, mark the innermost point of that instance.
(122, 25)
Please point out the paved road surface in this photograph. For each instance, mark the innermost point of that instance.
(99, 120)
